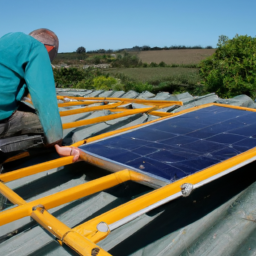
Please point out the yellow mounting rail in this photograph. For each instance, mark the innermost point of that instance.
(84, 237)
(125, 100)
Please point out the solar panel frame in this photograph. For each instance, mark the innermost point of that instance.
(151, 179)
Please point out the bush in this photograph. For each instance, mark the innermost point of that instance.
(66, 77)
(80, 49)
(96, 60)
(126, 60)
(103, 83)
(231, 70)
(162, 64)
(142, 87)
(153, 65)
(84, 84)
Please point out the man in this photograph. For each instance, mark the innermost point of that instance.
(25, 67)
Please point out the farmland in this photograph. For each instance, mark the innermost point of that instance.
(138, 71)
(180, 56)
(174, 56)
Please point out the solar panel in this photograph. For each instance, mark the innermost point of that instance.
(179, 146)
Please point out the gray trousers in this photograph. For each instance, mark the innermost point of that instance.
(21, 122)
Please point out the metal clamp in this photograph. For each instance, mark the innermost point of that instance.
(38, 206)
(102, 227)
(95, 251)
(186, 189)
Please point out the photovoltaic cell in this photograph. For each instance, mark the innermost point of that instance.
(182, 145)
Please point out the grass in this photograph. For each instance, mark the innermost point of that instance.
(157, 75)
(173, 80)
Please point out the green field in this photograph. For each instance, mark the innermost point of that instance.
(158, 74)
(130, 74)
(173, 80)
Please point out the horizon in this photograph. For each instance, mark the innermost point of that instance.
(179, 47)
(111, 25)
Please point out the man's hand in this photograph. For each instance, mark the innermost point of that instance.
(68, 151)
(59, 143)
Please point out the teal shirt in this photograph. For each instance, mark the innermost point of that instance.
(24, 63)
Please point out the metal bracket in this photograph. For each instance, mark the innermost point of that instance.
(95, 251)
(38, 206)
(102, 227)
(186, 189)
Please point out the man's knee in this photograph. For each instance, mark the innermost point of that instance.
(21, 123)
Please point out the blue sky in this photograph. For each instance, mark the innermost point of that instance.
(115, 24)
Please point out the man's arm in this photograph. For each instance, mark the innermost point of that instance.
(40, 83)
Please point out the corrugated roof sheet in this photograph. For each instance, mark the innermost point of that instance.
(216, 219)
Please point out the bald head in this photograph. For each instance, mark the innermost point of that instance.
(49, 39)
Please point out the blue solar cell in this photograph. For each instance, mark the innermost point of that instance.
(126, 143)
(186, 169)
(221, 127)
(200, 162)
(240, 149)
(203, 146)
(249, 130)
(247, 119)
(156, 168)
(148, 134)
(145, 150)
(161, 145)
(226, 138)
(179, 141)
(182, 145)
(166, 157)
(247, 143)
(122, 155)
(216, 117)
(173, 128)
(225, 153)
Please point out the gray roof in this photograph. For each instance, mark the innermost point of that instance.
(216, 219)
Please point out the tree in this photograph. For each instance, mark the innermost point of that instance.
(222, 40)
(231, 70)
(81, 49)
(145, 48)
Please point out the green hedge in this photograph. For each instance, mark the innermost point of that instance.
(231, 70)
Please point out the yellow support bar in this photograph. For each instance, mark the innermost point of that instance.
(24, 172)
(104, 118)
(17, 157)
(88, 109)
(128, 100)
(64, 234)
(69, 195)
(155, 113)
(160, 113)
(234, 107)
(68, 104)
(11, 195)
